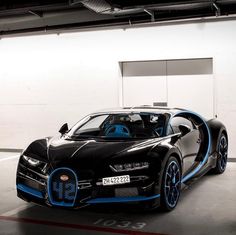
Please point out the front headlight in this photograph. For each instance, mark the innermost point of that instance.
(129, 166)
(31, 161)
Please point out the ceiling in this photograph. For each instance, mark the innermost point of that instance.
(20, 17)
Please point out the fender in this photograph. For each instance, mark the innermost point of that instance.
(163, 151)
(38, 149)
(216, 128)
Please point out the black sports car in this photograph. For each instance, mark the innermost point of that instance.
(131, 155)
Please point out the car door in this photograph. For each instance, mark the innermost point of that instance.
(189, 143)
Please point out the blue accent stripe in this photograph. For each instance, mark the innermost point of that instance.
(191, 174)
(29, 190)
(121, 199)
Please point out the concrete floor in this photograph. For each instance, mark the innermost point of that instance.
(207, 207)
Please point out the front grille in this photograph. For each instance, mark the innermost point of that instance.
(32, 174)
(126, 192)
(84, 184)
(62, 187)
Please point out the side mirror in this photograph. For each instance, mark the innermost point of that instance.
(184, 129)
(64, 129)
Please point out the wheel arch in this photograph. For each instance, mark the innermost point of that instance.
(179, 159)
(172, 152)
(216, 128)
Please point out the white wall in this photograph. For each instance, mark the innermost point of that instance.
(48, 80)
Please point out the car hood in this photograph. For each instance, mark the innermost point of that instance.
(61, 151)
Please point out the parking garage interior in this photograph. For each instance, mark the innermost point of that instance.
(61, 60)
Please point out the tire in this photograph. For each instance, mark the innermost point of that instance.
(222, 154)
(171, 184)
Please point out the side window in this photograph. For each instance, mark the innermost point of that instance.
(169, 130)
(176, 121)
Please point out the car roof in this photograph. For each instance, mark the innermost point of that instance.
(142, 109)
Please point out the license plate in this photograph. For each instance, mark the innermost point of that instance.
(123, 179)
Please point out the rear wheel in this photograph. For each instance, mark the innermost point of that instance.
(171, 184)
(222, 151)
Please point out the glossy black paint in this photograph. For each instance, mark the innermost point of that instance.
(216, 128)
(91, 158)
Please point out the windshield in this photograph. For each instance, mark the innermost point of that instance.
(120, 125)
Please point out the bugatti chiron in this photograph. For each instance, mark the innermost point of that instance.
(141, 155)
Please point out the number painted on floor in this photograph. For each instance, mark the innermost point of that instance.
(109, 222)
(139, 225)
(123, 224)
(120, 223)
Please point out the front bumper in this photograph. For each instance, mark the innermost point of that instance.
(33, 186)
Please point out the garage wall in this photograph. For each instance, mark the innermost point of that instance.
(48, 80)
(176, 83)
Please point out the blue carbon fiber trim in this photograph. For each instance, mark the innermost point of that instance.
(29, 190)
(49, 189)
(121, 199)
(191, 174)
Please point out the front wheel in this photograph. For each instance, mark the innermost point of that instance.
(222, 152)
(171, 184)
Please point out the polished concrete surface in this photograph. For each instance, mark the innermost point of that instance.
(207, 207)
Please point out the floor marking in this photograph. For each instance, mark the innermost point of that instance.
(17, 210)
(9, 158)
(77, 226)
